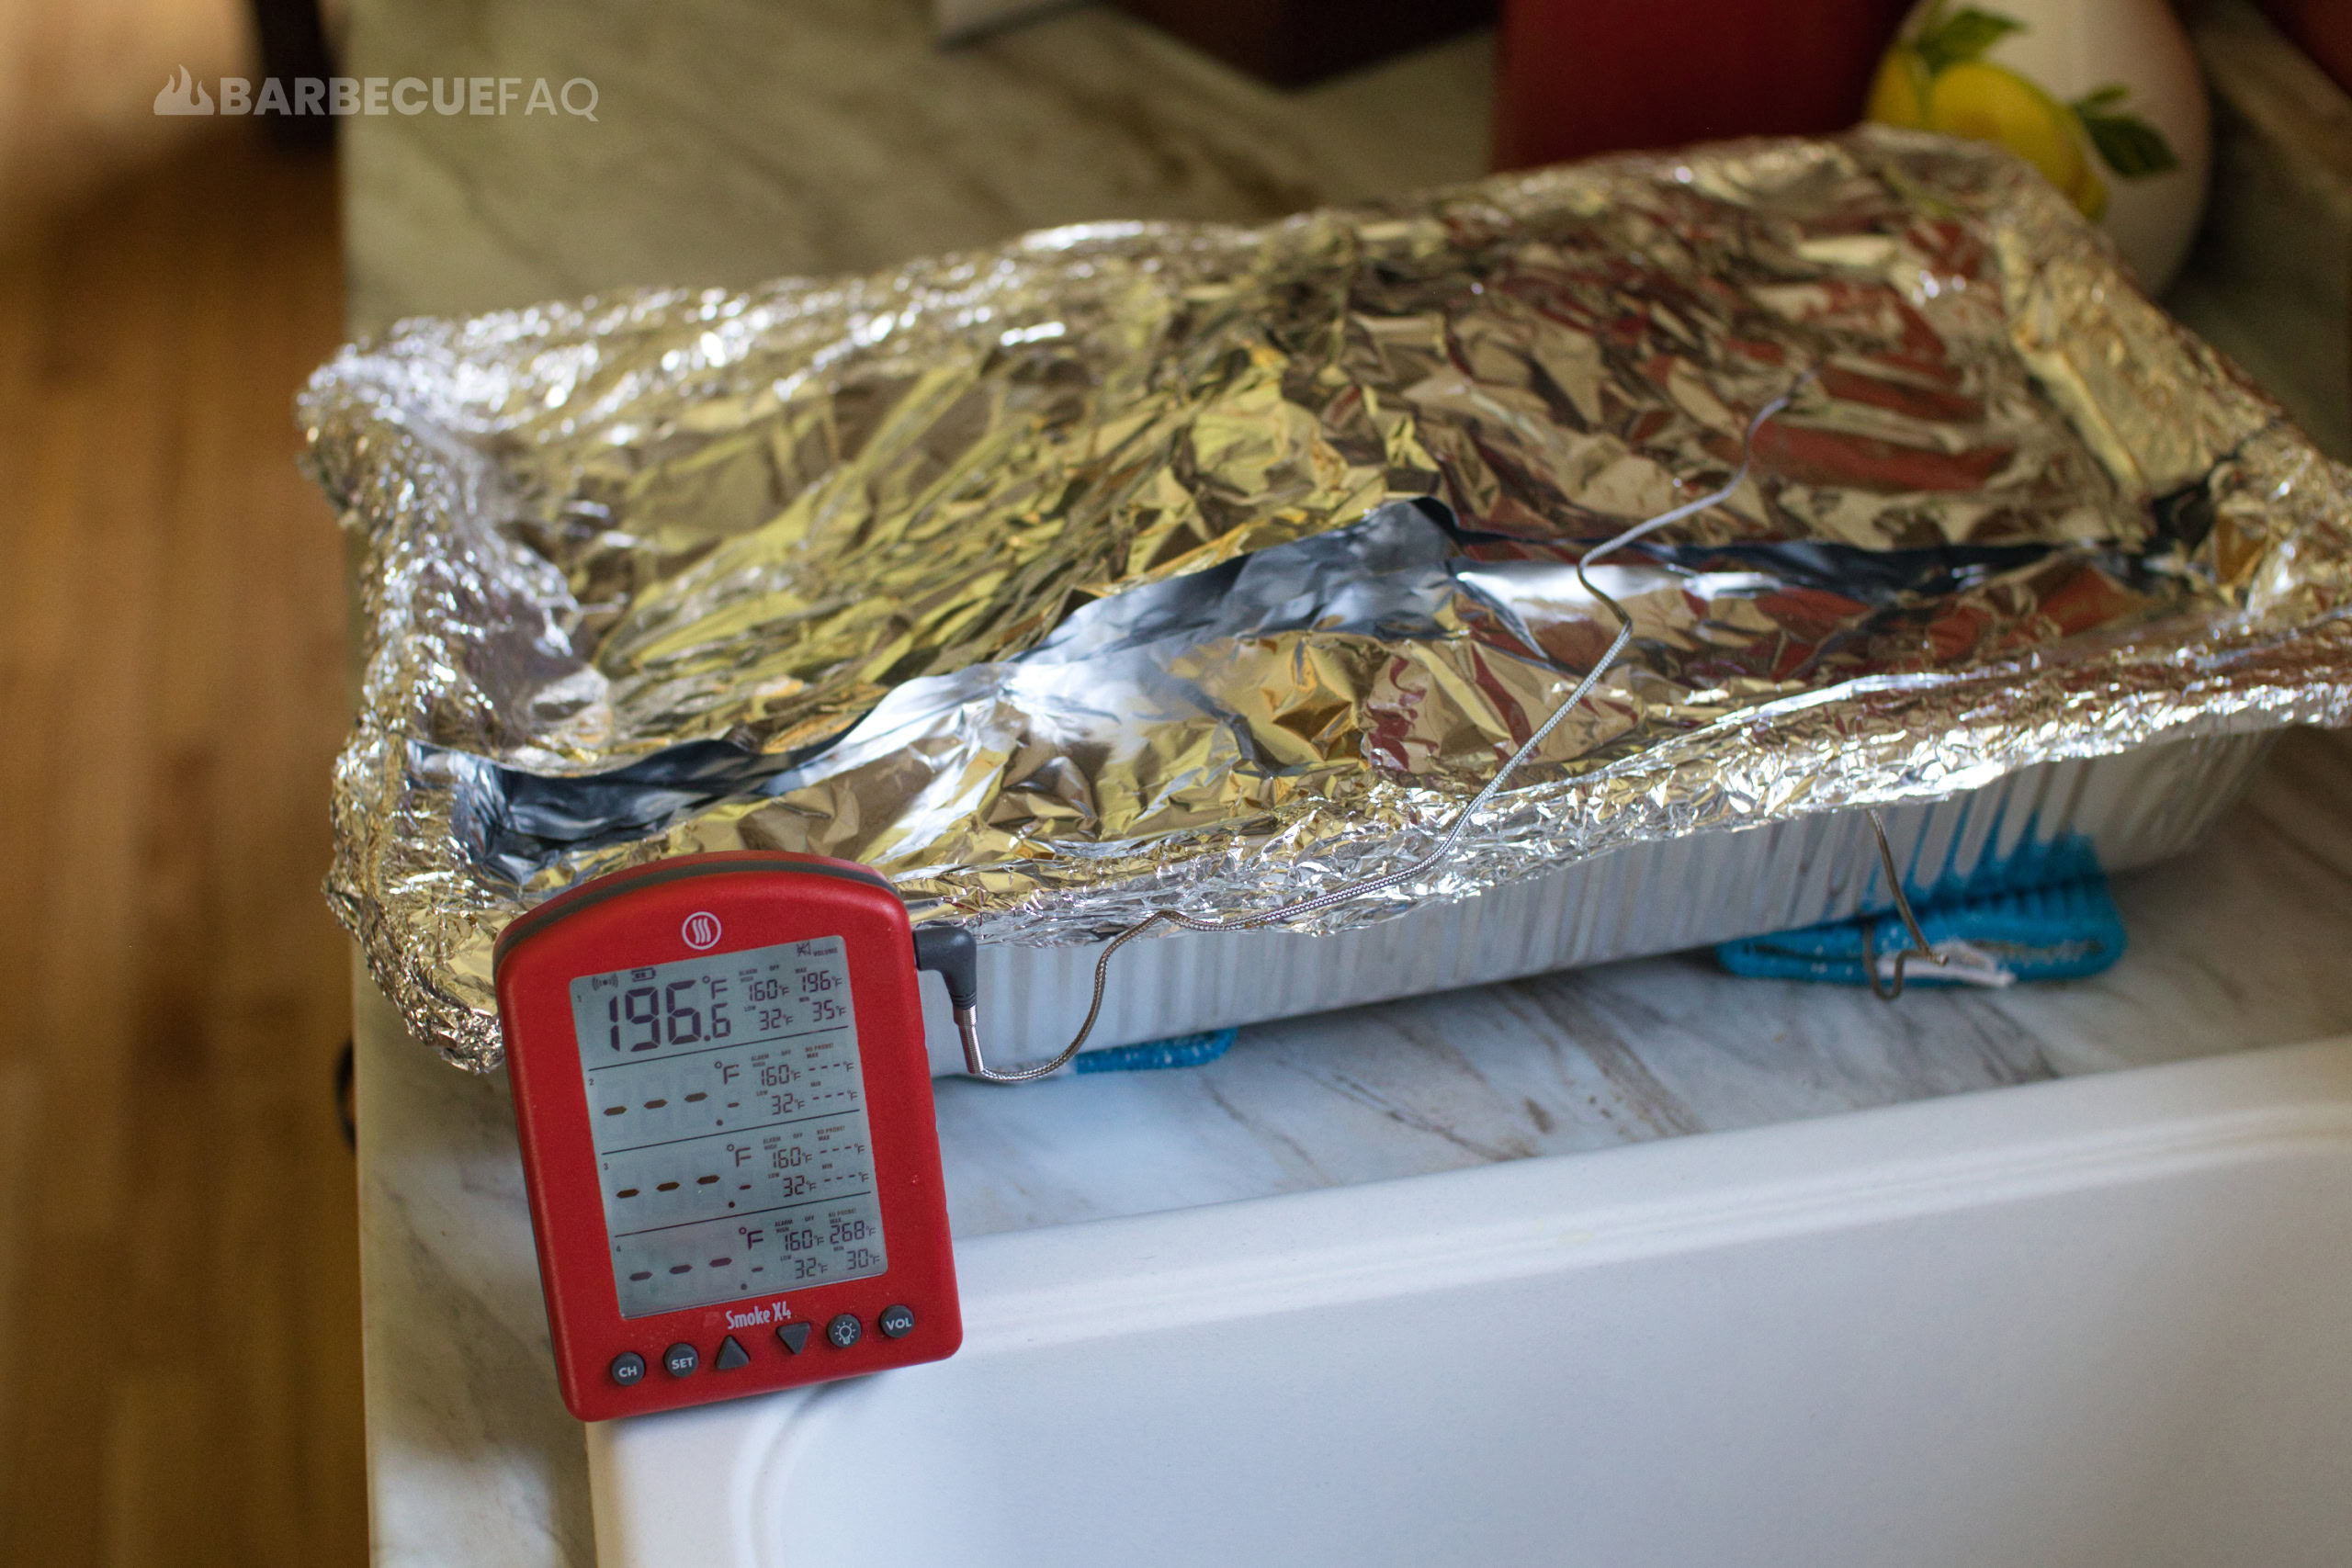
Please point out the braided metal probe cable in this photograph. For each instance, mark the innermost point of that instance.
(1920, 946)
(966, 1020)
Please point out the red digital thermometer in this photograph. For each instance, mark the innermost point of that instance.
(725, 1112)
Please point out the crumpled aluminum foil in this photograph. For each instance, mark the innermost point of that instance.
(1138, 563)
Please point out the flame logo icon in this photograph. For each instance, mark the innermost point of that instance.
(183, 94)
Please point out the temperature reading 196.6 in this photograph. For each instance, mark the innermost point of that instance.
(727, 1105)
(647, 1016)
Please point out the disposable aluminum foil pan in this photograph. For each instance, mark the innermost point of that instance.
(2036, 826)
(1131, 567)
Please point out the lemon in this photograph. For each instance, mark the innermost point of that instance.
(1899, 96)
(2089, 193)
(1986, 103)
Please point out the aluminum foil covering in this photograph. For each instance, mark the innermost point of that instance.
(1138, 563)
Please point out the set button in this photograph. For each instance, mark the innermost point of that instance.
(680, 1360)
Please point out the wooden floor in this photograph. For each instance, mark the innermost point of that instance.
(179, 1317)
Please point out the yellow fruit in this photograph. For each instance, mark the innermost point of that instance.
(2089, 193)
(1899, 94)
(1986, 103)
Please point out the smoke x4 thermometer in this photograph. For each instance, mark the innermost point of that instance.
(725, 1113)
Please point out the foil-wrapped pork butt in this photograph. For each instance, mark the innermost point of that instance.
(1137, 564)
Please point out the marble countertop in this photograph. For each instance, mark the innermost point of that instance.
(736, 140)
(740, 140)
(473, 1459)
(2241, 944)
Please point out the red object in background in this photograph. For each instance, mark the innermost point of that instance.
(1584, 76)
(2324, 28)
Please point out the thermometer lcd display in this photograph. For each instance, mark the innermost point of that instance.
(728, 1110)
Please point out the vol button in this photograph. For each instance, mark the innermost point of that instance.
(897, 1322)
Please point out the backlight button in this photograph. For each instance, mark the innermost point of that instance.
(843, 1331)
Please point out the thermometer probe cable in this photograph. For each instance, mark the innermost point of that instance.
(965, 1006)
